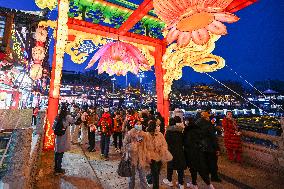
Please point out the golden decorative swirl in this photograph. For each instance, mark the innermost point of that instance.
(49, 136)
(48, 23)
(195, 56)
(50, 4)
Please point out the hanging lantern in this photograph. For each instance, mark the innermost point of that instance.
(40, 35)
(119, 58)
(194, 20)
(36, 71)
(3, 96)
(38, 53)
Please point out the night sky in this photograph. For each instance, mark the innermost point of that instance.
(253, 48)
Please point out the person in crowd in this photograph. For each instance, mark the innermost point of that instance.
(84, 128)
(135, 143)
(92, 124)
(152, 115)
(76, 126)
(158, 152)
(174, 138)
(160, 122)
(34, 116)
(195, 157)
(63, 142)
(208, 145)
(215, 151)
(105, 129)
(144, 115)
(129, 121)
(117, 131)
(232, 138)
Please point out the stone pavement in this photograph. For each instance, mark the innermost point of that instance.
(79, 173)
(87, 170)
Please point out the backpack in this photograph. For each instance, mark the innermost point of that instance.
(59, 129)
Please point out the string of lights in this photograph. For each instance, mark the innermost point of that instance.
(235, 92)
(252, 86)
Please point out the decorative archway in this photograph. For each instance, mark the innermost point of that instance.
(70, 32)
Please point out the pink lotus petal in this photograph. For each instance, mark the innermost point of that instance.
(222, 3)
(136, 53)
(217, 28)
(200, 37)
(173, 35)
(184, 39)
(98, 55)
(226, 17)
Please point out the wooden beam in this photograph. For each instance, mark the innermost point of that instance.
(136, 16)
(112, 33)
(237, 5)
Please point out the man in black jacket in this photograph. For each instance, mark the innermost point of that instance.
(213, 148)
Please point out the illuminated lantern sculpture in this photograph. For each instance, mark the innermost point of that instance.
(194, 20)
(38, 53)
(36, 71)
(119, 58)
(3, 96)
(41, 34)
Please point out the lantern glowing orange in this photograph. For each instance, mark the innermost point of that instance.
(194, 20)
(119, 58)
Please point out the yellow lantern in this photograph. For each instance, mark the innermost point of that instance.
(38, 53)
(36, 71)
(3, 96)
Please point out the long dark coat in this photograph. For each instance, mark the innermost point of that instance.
(174, 138)
(195, 157)
(191, 145)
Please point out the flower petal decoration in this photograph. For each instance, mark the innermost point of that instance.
(119, 58)
(195, 19)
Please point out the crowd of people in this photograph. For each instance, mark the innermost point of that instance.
(144, 139)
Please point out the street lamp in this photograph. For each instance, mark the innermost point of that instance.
(113, 81)
(141, 75)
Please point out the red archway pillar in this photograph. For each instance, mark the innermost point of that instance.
(52, 110)
(55, 82)
(162, 103)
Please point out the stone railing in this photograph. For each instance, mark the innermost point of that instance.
(24, 155)
(262, 155)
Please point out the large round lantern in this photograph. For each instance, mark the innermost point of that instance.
(41, 34)
(36, 71)
(38, 53)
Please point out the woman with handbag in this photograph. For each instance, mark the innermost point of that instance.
(135, 143)
(158, 152)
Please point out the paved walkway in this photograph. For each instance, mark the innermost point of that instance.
(94, 172)
(79, 173)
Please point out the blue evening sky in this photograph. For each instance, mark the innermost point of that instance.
(253, 48)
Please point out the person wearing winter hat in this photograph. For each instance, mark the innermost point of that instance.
(174, 138)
